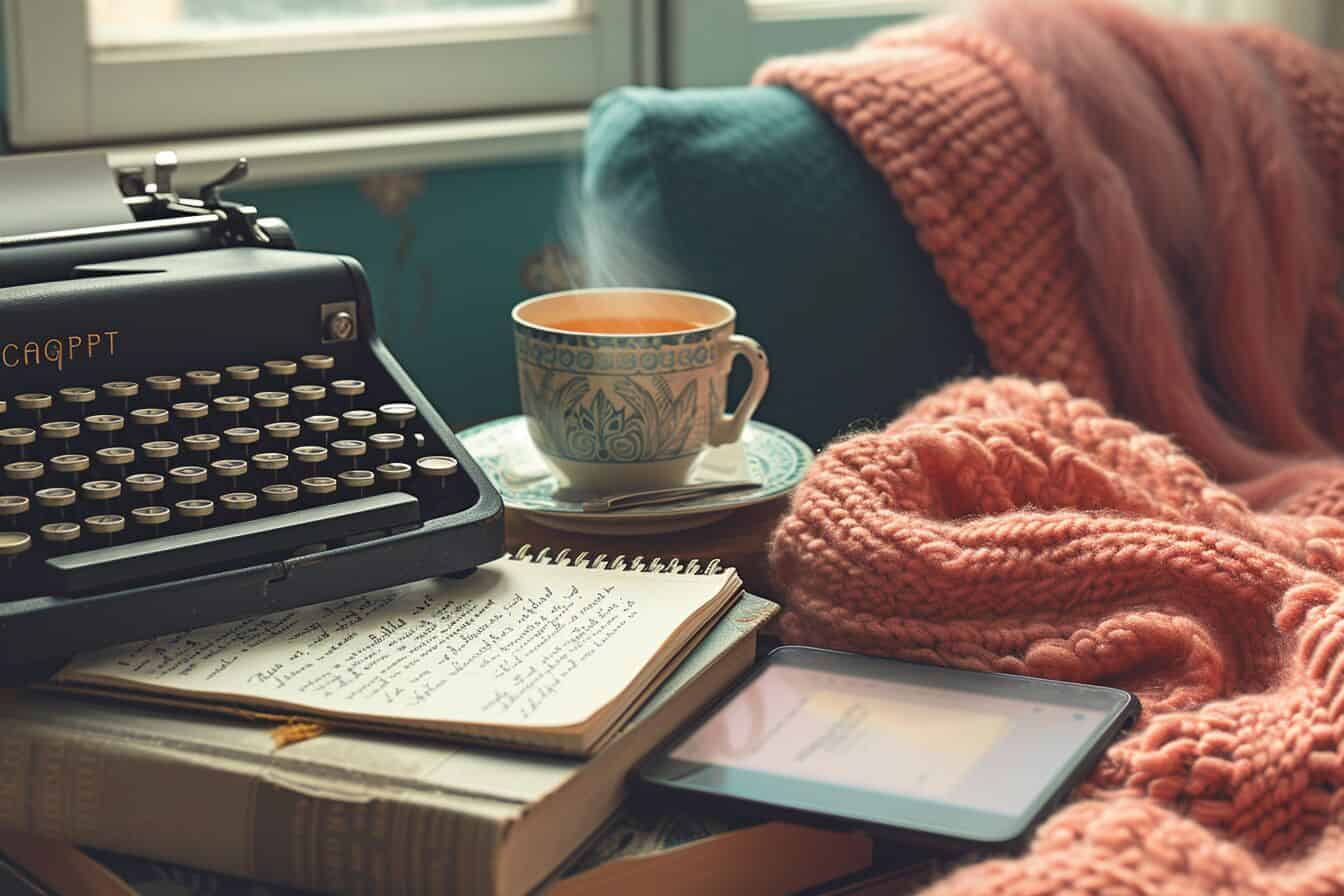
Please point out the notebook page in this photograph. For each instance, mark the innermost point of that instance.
(515, 644)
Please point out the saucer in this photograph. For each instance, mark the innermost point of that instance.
(766, 454)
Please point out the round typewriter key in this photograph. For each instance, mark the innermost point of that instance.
(243, 437)
(58, 498)
(12, 544)
(236, 405)
(318, 362)
(394, 473)
(230, 468)
(351, 448)
(105, 524)
(145, 483)
(359, 420)
(78, 395)
(18, 437)
(189, 476)
(105, 490)
(272, 461)
(4, 406)
(32, 401)
(163, 383)
(281, 368)
(115, 457)
(65, 430)
(348, 389)
(195, 509)
(193, 411)
(60, 533)
(310, 454)
(308, 394)
(437, 467)
(150, 417)
(206, 443)
(151, 517)
(283, 432)
(70, 464)
(204, 379)
(386, 442)
(323, 423)
(317, 486)
(272, 401)
(244, 373)
(25, 471)
(397, 412)
(280, 496)
(164, 451)
(238, 502)
(11, 506)
(357, 480)
(121, 389)
(108, 423)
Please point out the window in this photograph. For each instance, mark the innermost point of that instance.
(718, 42)
(107, 71)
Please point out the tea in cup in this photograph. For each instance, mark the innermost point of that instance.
(624, 388)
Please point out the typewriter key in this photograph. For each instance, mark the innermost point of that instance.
(310, 454)
(324, 424)
(282, 369)
(359, 420)
(243, 437)
(4, 406)
(125, 390)
(205, 380)
(12, 544)
(105, 490)
(164, 451)
(191, 411)
(105, 524)
(11, 507)
(398, 412)
(437, 467)
(280, 497)
(386, 442)
(244, 373)
(115, 457)
(165, 383)
(70, 464)
(63, 534)
(151, 518)
(308, 396)
(351, 448)
(271, 461)
(236, 405)
(356, 480)
(197, 509)
(18, 437)
(189, 475)
(318, 362)
(229, 469)
(55, 498)
(152, 418)
(348, 389)
(238, 502)
(284, 432)
(37, 402)
(78, 396)
(274, 401)
(65, 430)
(145, 483)
(206, 443)
(25, 471)
(317, 487)
(108, 423)
(394, 473)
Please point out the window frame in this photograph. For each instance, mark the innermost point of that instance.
(712, 43)
(62, 92)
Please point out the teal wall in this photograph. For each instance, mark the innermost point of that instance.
(445, 264)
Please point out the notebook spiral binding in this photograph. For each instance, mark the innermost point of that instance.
(638, 563)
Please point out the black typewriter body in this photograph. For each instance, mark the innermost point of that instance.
(199, 436)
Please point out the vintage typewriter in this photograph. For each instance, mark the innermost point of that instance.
(199, 423)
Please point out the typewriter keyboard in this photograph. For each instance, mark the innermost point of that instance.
(113, 484)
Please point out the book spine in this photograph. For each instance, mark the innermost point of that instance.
(290, 830)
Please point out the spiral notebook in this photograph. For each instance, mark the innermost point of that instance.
(541, 651)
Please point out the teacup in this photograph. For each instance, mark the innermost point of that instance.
(623, 388)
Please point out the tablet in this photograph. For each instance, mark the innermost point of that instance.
(917, 753)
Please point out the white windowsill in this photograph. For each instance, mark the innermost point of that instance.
(349, 152)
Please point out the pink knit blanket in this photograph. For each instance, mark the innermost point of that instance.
(1141, 218)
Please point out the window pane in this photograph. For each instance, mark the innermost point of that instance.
(119, 22)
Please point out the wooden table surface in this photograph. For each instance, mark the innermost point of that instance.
(737, 540)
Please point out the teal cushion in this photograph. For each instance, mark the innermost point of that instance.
(751, 195)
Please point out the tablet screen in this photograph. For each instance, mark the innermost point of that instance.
(982, 751)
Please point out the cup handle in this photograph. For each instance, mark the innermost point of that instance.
(728, 428)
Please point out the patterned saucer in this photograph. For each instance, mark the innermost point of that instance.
(765, 453)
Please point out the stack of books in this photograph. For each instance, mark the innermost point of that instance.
(455, 736)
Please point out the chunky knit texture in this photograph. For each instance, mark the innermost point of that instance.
(1010, 526)
(1141, 218)
(1143, 210)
